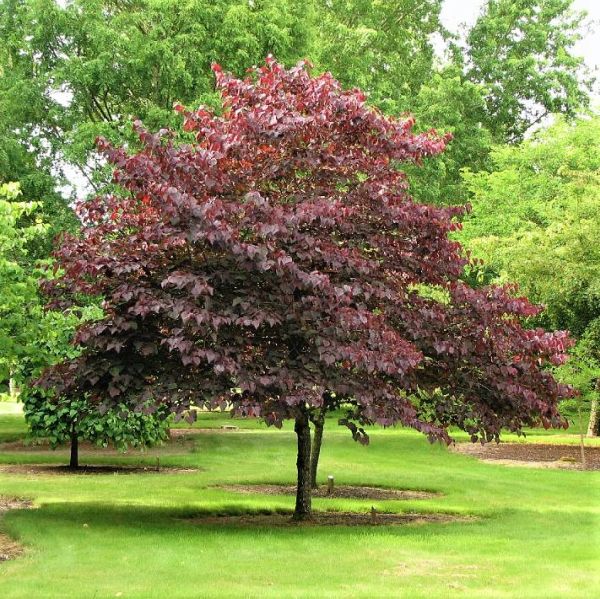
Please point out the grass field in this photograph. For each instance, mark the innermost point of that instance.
(536, 532)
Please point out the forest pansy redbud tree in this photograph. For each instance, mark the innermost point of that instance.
(271, 258)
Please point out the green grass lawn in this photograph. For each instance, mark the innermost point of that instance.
(537, 532)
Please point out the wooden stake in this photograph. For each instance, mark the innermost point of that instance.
(330, 484)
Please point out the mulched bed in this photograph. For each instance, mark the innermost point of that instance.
(9, 548)
(58, 469)
(328, 519)
(339, 492)
(533, 454)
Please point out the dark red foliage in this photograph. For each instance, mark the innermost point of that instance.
(278, 260)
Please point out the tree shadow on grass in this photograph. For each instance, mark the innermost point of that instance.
(229, 518)
(76, 548)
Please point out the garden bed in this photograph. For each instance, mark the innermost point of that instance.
(339, 492)
(328, 519)
(538, 455)
(174, 444)
(9, 548)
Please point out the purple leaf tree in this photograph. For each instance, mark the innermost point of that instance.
(270, 258)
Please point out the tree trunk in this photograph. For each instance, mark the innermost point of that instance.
(303, 490)
(74, 463)
(13, 391)
(594, 419)
(319, 422)
(594, 425)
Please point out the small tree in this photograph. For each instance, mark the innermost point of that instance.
(71, 421)
(271, 257)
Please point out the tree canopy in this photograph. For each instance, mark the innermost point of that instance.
(384, 48)
(535, 220)
(522, 53)
(276, 260)
(89, 67)
(72, 420)
(30, 338)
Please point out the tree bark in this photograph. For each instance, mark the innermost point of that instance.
(74, 462)
(303, 510)
(594, 425)
(13, 391)
(319, 422)
(594, 420)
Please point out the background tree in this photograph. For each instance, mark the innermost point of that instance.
(535, 220)
(583, 372)
(89, 67)
(384, 48)
(25, 121)
(22, 318)
(451, 103)
(515, 66)
(278, 261)
(522, 53)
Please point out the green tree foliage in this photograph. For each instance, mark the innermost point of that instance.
(27, 333)
(72, 420)
(384, 48)
(514, 67)
(96, 64)
(120, 426)
(451, 103)
(583, 372)
(25, 123)
(88, 67)
(536, 220)
(387, 49)
(522, 52)
(31, 338)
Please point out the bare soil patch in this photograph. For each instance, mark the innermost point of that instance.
(9, 548)
(328, 519)
(60, 470)
(538, 455)
(14, 503)
(339, 492)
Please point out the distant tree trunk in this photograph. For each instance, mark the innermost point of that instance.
(319, 422)
(13, 391)
(303, 510)
(594, 425)
(74, 463)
